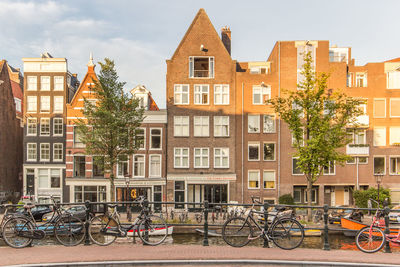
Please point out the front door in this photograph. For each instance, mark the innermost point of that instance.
(346, 196)
(30, 182)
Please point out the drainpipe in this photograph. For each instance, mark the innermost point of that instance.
(279, 123)
(357, 184)
(242, 142)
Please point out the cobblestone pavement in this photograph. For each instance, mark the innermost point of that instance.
(60, 254)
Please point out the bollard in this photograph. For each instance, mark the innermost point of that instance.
(205, 241)
(326, 229)
(387, 230)
(266, 206)
(88, 208)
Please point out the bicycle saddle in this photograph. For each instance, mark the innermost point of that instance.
(29, 206)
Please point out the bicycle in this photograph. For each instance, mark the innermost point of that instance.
(371, 238)
(151, 229)
(285, 232)
(20, 230)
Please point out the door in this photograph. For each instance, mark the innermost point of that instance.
(339, 195)
(333, 197)
(346, 197)
(30, 182)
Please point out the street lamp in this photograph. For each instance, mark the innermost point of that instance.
(378, 179)
(128, 209)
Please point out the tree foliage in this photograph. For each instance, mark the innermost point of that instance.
(286, 199)
(361, 196)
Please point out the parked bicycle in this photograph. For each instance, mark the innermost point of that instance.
(20, 230)
(151, 229)
(284, 232)
(371, 238)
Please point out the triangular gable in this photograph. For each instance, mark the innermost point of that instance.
(90, 75)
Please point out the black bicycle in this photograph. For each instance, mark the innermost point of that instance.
(285, 232)
(151, 229)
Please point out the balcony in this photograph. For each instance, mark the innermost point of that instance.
(357, 149)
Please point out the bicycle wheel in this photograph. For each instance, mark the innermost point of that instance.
(16, 232)
(369, 239)
(152, 230)
(287, 233)
(236, 232)
(69, 230)
(103, 230)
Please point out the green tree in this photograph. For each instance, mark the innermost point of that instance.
(110, 125)
(317, 117)
(361, 196)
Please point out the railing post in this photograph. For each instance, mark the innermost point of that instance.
(146, 213)
(387, 230)
(326, 229)
(266, 206)
(88, 208)
(205, 240)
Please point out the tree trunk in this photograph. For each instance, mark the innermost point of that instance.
(309, 200)
(112, 193)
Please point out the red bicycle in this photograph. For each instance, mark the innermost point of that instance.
(371, 239)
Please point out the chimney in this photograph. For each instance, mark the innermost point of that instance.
(226, 38)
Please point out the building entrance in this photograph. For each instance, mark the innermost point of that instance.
(213, 193)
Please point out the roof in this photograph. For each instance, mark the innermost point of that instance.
(2, 64)
(16, 90)
(152, 104)
(394, 60)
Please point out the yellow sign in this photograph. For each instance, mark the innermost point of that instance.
(133, 193)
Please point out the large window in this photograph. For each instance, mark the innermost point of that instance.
(261, 94)
(201, 67)
(31, 126)
(49, 178)
(201, 126)
(295, 168)
(269, 179)
(379, 165)
(393, 80)
(45, 83)
(58, 126)
(181, 94)
(201, 94)
(395, 107)
(98, 166)
(122, 166)
(221, 157)
(201, 157)
(138, 166)
(254, 179)
(395, 165)
(77, 138)
(221, 94)
(44, 152)
(141, 138)
(57, 152)
(269, 124)
(45, 126)
(155, 138)
(330, 169)
(181, 125)
(79, 166)
(253, 151)
(58, 83)
(269, 151)
(91, 193)
(379, 108)
(361, 80)
(379, 136)
(155, 166)
(181, 157)
(394, 133)
(253, 123)
(357, 136)
(32, 83)
(45, 104)
(58, 104)
(221, 126)
(31, 153)
(31, 105)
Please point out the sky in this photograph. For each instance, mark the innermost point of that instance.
(141, 35)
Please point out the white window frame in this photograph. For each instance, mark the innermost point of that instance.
(28, 159)
(198, 92)
(220, 156)
(181, 156)
(144, 165)
(297, 174)
(362, 163)
(56, 101)
(42, 107)
(150, 162)
(42, 87)
(329, 169)
(125, 162)
(375, 137)
(201, 156)
(273, 117)
(221, 118)
(384, 99)
(273, 171)
(41, 124)
(253, 144)
(31, 121)
(161, 139)
(56, 88)
(41, 152)
(211, 67)
(274, 151)
(392, 139)
(31, 83)
(31, 104)
(182, 122)
(248, 179)
(144, 138)
(390, 107)
(364, 78)
(18, 104)
(202, 122)
(397, 157)
(397, 73)
(54, 126)
(384, 164)
(62, 152)
(178, 90)
(248, 123)
(263, 91)
(219, 91)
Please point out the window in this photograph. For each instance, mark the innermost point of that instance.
(92, 193)
(221, 94)
(181, 125)
(297, 195)
(349, 79)
(122, 166)
(302, 49)
(31, 153)
(269, 151)
(31, 129)
(140, 138)
(58, 104)
(179, 194)
(44, 152)
(379, 136)
(18, 103)
(32, 83)
(201, 126)
(261, 94)
(254, 123)
(155, 138)
(362, 160)
(253, 151)
(138, 165)
(31, 104)
(181, 94)
(77, 138)
(98, 166)
(295, 168)
(45, 83)
(361, 80)
(379, 165)
(55, 178)
(395, 107)
(221, 126)
(330, 169)
(201, 67)
(201, 158)
(254, 179)
(58, 127)
(269, 124)
(44, 178)
(58, 83)
(181, 157)
(269, 179)
(45, 126)
(297, 107)
(394, 134)
(393, 80)
(352, 160)
(357, 136)
(394, 165)
(155, 166)
(201, 93)
(379, 108)
(221, 157)
(45, 104)
(57, 152)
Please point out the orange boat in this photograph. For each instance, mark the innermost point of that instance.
(355, 226)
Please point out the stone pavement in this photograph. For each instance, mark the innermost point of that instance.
(127, 252)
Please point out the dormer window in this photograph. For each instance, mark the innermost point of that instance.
(201, 67)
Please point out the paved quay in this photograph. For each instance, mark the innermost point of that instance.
(125, 252)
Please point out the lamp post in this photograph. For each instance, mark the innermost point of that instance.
(378, 179)
(128, 208)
